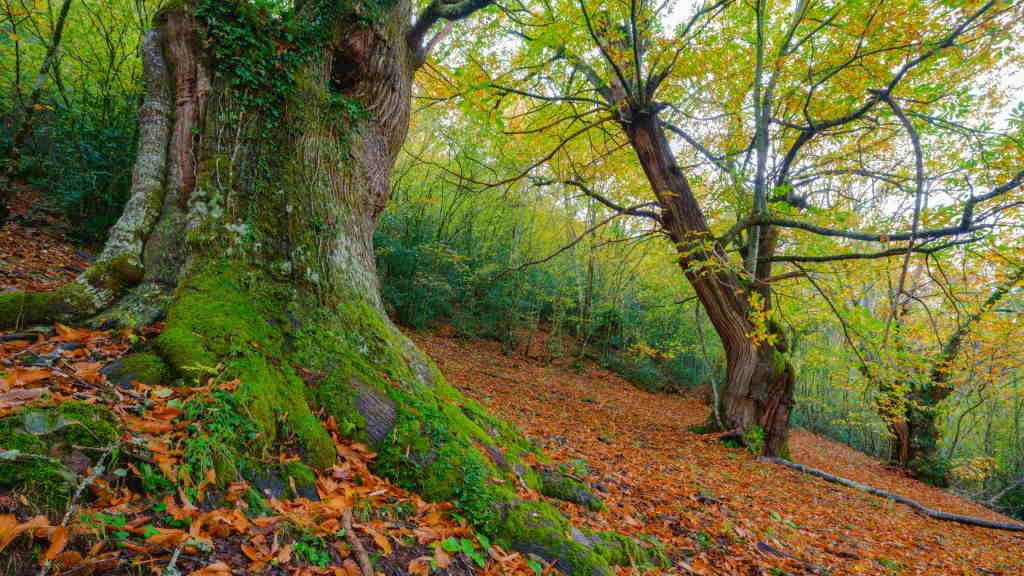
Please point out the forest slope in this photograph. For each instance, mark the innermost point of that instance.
(717, 509)
(727, 512)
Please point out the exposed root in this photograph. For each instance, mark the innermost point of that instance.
(936, 514)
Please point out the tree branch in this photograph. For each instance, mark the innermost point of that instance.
(638, 210)
(936, 514)
(872, 255)
(437, 10)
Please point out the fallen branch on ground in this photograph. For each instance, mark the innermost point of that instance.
(364, 559)
(938, 515)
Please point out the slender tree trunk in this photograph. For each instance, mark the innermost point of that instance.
(914, 422)
(25, 127)
(758, 390)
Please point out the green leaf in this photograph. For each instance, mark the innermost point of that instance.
(451, 544)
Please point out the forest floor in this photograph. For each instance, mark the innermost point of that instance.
(728, 512)
(718, 509)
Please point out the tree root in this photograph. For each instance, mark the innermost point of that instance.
(936, 514)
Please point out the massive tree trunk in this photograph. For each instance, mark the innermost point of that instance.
(758, 394)
(261, 170)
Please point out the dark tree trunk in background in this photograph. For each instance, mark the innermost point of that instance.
(913, 421)
(758, 392)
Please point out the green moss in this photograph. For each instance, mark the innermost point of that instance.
(54, 429)
(115, 275)
(12, 437)
(619, 550)
(300, 478)
(46, 485)
(145, 367)
(539, 528)
(87, 424)
(26, 308)
(185, 352)
(42, 434)
(555, 484)
(229, 321)
(206, 452)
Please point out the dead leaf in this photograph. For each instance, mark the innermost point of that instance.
(58, 541)
(10, 528)
(215, 569)
(20, 396)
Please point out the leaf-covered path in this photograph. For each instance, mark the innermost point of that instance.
(725, 512)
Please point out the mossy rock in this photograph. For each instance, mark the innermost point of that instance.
(534, 527)
(39, 438)
(147, 368)
(70, 424)
(620, 550)
(556, 484)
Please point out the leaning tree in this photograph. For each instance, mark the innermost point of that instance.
(266, 143)
(749, 122)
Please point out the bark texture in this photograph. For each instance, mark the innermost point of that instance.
(758, 392)
(250, 225)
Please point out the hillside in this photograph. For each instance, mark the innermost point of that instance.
(714, 509)
(721, 510)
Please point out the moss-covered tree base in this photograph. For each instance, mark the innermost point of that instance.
(283, 366)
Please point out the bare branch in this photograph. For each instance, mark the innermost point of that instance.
(437, 10)
(639, 210)
(873, 255)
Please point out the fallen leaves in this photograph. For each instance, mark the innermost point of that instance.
(19, 396)
(10, 528)
(34, 257)
(718, 510)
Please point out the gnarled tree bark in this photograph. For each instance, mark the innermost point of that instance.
(759, 384)
(250, 225)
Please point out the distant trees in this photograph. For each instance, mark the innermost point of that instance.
(31, 104)
(750, 124)
(912, 408)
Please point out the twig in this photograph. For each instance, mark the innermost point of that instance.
(936, 514)
(364, 560)
(73, 503)
(170, 569)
